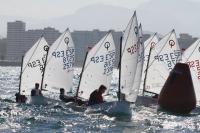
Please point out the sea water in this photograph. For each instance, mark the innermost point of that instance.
(58, 117)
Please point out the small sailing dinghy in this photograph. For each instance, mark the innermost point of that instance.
(191, 57)
(59, 68)
(32, 69)
(163, 57)
(148, 45)
(97, 69)
(131, 61)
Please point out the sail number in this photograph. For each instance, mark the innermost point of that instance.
(170, 59)
(133, 49)
(108, 60)
(38, 62)
(67, 56)
(195, 64)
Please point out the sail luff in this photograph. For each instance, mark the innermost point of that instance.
(20, 77)
(120, 55)
(42, 81)
(81, 74)
(146, 71)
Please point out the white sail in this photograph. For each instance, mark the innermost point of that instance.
(163, 58)
(60, 63)
(191, 56)
(33, 66)
(151, 42)
(138, 75)
(98, 67)
(129, 56)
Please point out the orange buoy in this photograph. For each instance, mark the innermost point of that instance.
(177, 94)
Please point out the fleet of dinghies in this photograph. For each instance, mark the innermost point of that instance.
(143, 65)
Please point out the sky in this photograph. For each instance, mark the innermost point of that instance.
(44, 9)
(156, 15)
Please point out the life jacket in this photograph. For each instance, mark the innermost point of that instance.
(95, 98)
(35, 92)
(66, 99)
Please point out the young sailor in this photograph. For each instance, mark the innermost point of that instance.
(96, 96)
(36, 91)
(67, 99)
(20, 98)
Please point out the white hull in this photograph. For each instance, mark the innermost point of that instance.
(38, 100)
(146, 101)
(116, 108)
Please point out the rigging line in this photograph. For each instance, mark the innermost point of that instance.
(32, 54)
(103, 41)
(60, 41)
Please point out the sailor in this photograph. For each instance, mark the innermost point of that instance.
(65, 98)
(36, 91)
(96, 96)
(20, 98)
(121, 96)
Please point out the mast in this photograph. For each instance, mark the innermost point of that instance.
(44, 69)
(81, 74)
(20, 77)
(146, 71)
(120, 58)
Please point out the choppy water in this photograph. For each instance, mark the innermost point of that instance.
(58, 117)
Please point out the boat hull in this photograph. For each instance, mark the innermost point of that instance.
(38, 100)
(146, 101)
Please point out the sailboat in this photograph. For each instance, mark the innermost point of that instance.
(59, 68)
(163, 57)
(148, 45)
(98, 67)
(191, 57)
(131, 59)
(138, 76)
(32, 68)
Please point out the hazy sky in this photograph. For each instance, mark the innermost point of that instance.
(156, 15)
(56, 8)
